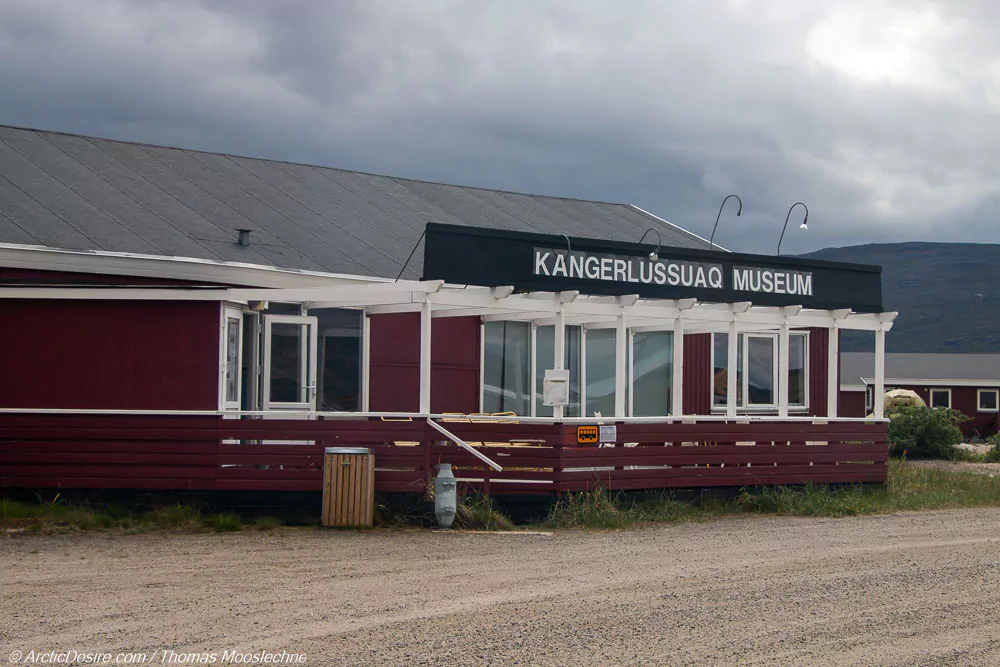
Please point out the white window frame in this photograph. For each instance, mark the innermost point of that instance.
(744, 406)
(226, 313)
(930, 396)
(630, 371)
(979, 400)
(310, 362)
(745, 342)
(804, 406)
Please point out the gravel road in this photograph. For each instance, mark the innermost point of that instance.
(920, 588)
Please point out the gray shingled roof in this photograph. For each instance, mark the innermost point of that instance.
(83, 193)
(900, 365)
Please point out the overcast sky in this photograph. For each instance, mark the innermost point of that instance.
(883, 117)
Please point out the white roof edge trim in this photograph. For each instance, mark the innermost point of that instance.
(936, 382)
(161, 266)
(675, 226)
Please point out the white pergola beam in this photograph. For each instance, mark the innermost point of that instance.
(621, 358)
(426, 322)
(832, 371)
(731, 371)
(498, 303)
(559, 352)
(879, 374)
(783, 340)
(677, 387)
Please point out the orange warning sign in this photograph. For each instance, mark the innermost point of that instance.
(586, 435)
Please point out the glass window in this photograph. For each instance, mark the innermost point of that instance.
(797, 370)
(233, 343)
(760, 374)
(507, 367)
(988, 400)
(652, 373)
(940, 398)
(288, 361)
(339, 354)
(720, 356)
(250, 371)
(545, 347)
(601, 372)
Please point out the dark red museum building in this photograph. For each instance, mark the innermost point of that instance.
(141, 282)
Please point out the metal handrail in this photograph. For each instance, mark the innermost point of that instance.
(463, 444)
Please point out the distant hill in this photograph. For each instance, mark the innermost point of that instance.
(947, 294)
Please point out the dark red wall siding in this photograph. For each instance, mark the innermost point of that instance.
(127, 355)
(851, 404)
(395, 363)
(697, 374)
(818, 357)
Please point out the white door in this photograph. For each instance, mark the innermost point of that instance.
(232, 358)
(289, 362)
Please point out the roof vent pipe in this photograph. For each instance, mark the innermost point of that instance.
(244, 236)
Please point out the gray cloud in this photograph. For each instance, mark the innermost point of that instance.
(881, 115)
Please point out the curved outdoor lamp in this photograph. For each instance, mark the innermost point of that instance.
(711, 241)
(804, 224)
(569, 246)
(655, 255)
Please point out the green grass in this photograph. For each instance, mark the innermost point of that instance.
(909, 487)
(59, 516)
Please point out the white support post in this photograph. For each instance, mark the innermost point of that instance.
(631, 373)
(832, 372)
(560, 353)
(366, 361)
(426, 319)
(731, 371)
(534, 370)
(621, 343)
(879, 374)
(677, 390)
(783, 369)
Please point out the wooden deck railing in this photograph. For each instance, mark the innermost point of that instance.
(209, 452)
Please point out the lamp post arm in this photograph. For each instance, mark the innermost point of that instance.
(785, 226)
(711, 240)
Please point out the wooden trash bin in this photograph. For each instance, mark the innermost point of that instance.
(348, 487)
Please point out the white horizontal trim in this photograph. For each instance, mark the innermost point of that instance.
(43, 258)
(276, 414)
(904, 383)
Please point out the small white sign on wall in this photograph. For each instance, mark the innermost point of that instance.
(555, 388)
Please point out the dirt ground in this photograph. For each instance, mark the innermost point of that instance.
(918, 588)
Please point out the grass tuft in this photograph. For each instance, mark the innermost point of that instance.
(477, 512)
(223, 523)
(266, 523)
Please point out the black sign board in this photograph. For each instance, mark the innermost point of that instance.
(541, 262)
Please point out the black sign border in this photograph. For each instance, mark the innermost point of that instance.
(489, 257)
